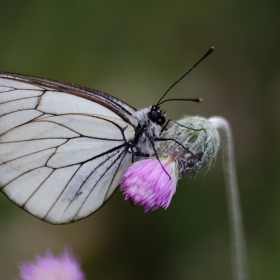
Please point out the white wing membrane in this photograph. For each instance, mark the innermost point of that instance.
(14, 119)
(96, 177)
(14, 85)
(91, 126)
(8, 95)
(80, 150)
(11, 151)
(47, 194)
(62, 103)
(35, 130)
(16, 105)
(61, 155)
(29, 183)
(17, 167)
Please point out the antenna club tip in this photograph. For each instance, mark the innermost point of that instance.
(211, 50)
(200, 99)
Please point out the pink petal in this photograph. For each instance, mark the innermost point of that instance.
(146, 183)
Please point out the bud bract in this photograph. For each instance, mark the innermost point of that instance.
(194, 143)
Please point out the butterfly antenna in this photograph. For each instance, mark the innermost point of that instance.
(208, 52)
(182, 99)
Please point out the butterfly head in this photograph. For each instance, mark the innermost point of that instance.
(156, 115)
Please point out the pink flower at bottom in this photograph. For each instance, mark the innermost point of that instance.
(48, 267)
(150, 184)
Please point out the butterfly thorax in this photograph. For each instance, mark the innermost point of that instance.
(146, 132)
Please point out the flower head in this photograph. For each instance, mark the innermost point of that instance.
(150, 183)
(191, 144)
(48, 267)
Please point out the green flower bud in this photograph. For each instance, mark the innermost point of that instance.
(199, 141)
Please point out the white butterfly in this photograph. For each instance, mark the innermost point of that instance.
(64, 148)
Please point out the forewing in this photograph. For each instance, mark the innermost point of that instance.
(61, 154)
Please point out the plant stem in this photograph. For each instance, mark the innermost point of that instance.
(237, 238)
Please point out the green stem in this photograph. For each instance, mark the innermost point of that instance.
(237, 238)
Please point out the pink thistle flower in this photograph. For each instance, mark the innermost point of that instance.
(48, 267)
(146, 183)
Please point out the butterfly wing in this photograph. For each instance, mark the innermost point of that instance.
(63, 147)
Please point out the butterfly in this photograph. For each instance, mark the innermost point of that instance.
(64, 148)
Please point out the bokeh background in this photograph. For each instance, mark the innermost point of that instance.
(135, 51)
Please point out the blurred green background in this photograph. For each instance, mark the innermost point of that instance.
(135, 51)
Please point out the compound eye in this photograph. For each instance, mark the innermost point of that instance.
(154, 115)
(161, 120)
(157, 116)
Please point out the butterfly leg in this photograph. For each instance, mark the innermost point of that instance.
(170, 120)
(171, 139)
